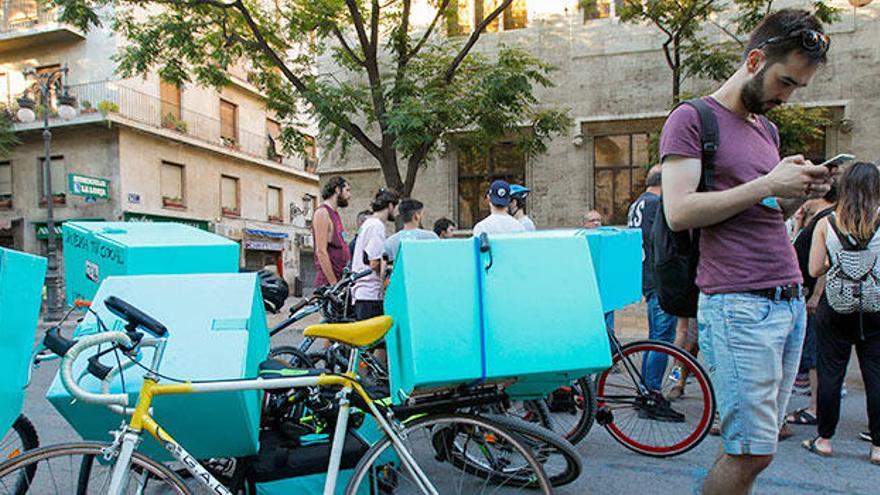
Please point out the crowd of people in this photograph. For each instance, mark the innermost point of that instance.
(775, 298)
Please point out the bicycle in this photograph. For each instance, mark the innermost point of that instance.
(116, 467)
(640, 419)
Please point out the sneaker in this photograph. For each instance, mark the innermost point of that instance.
(785, 432)
(865, 435)
(658, 409)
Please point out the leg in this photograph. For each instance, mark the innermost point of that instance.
(735, 474)
(868, 352)
(791, 356)
(832, 358)
(744, 338)
(661, 326)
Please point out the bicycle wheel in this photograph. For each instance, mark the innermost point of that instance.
(573, 409)
(556, 454)
(291, 355)
(489, 460)
(21, 438)
(646, 422)
(80, 468)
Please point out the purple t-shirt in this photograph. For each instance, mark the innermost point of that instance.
(750, 250)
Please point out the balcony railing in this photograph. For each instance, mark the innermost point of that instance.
(110, 97)
(18, 15)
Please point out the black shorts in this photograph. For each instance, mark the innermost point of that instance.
(364, 310)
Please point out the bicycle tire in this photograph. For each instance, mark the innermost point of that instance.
(582, 414)
(435, 431)
(20, 438)
(547, 445)
(291, 355)
(82, 472)
(612, 408)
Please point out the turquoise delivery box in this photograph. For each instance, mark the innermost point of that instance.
(94, 251)
(21, 288)
(617, 257)
(216, 330)
(527, 311)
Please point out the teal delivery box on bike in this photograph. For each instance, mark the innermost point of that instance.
(21, 288)
(216, 330)
(617, 257)
(525, 309)
(94, 251)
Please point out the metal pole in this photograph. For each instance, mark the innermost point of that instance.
(54, 309)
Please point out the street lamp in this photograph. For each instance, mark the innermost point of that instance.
(26, 114)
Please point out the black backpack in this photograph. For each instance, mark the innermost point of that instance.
(676, 254)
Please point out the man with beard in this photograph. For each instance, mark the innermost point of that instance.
(369, 292)
(751, 309)
(331, 251)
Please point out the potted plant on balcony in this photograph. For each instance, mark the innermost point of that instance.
(170, 121)
(170, 202)
(106, 106)
(86, 107)
(230, 143)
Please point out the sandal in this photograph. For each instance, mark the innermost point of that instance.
(810, 445)
(801, 417)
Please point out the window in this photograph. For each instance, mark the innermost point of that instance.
(20, 13)
(476, 170)
(54, 90)
(172, 183)
(169, 95)
(228, 122)
(310, 204)
(5, 184)
(621, 162)
(600, 9)
(229, 204)
(58, 178)
(310, 152)
(274, 200)
(273, 135)
(465, 15)
(5, 99)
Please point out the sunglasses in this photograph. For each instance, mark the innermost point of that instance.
(811, 40)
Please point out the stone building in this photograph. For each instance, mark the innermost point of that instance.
(615, 81)
(152, 151)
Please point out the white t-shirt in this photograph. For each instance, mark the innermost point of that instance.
(498, 224)
(370, 240)
(527, 223)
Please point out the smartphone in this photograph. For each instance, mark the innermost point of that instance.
(837, 160)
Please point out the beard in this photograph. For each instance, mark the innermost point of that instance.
(752, 95)
(341, 202)
(392, 216)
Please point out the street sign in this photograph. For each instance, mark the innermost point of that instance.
(81, 185)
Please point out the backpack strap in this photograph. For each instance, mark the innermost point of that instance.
(848, 242)
(770, 128)
(708, 140)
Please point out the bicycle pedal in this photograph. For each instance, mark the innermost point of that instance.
(604, 416)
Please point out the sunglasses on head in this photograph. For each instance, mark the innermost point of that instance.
(811, 40)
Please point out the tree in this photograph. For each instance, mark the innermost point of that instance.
(392, 90)
(689, 51)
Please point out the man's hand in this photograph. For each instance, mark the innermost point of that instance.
(797, 178)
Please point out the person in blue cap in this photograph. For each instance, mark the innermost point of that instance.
(517, 208)
(499, 220)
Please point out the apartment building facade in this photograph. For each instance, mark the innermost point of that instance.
(614, 79)
(150, 151)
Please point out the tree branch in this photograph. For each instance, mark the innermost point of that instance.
(358, 21)
(356, 132)
(374, 27)
(456, 62)
(195, 3)
(442, 7)
(728, 32)
(346, 46)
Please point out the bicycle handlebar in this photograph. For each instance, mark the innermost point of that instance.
(69, 357)
(135, 317)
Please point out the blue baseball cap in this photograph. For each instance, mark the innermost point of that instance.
(499, 193)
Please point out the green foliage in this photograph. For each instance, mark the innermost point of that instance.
(797, 125)
(106, 106)
(170, 121)
(7, 137)
(357, 68)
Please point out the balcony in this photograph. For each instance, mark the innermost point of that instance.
(25, 23)
(111, 100)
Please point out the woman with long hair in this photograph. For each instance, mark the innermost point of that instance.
(846, 238)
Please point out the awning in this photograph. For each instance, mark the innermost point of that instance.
(266, 233)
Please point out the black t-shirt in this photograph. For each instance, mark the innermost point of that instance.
(641, 216)
(802, 244)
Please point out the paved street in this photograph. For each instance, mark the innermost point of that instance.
(609, 468)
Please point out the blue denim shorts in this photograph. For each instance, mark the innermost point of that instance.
(752, 346)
